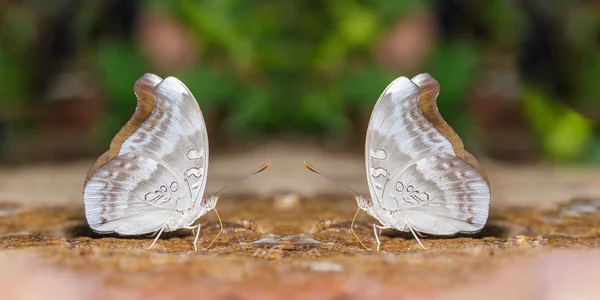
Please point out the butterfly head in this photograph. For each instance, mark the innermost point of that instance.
(364, 202)
(210, 202)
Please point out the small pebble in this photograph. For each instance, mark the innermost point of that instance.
(326, 266)
(286, 201)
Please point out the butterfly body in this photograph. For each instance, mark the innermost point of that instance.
(419, 175)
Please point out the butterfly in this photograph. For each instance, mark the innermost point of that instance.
(420, 177)
(152, 178)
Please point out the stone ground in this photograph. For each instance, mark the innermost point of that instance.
(287, 233)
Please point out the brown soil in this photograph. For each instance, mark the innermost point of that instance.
(269, 245)
(291, 243)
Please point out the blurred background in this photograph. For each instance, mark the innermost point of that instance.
(519, 79)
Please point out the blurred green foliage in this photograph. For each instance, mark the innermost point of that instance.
(302, 66)
(564, 133)
(288, 62)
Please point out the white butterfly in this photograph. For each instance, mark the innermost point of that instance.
(152, 179)
(420, 177)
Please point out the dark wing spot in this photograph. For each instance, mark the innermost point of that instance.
(470, 208)
(431, 135)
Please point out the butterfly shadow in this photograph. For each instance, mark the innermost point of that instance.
(82, 230)
(489, 230)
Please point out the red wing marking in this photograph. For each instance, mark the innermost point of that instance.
(376, 172)
(399, 186)
(196, 172)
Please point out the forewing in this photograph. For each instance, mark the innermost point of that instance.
(144, 91)
(430, 89)
(132, 194)
(398, 135)
(470, 159)
(174, 134)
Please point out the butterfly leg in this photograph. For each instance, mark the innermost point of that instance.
(193, 228)
(416, 237)
(157, 236)
(197, 236)
(196, 233)
(381, 228)
(377, 234)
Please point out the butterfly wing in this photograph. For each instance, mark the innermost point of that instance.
(430, 89)
(131, 194)
(441, 194)
(413, 170)
(174, 134)
(144, 91)
(156, 165)
(397, 136)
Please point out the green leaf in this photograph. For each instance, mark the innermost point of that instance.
(362, 88)
(118, 65)
(210, 88)
(564, 133)
(322, 110)
(14, 77)
(569, 136)
(454, 65)
(356, 25)
(254, 113)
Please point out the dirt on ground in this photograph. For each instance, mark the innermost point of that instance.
(287, 234)
(271, 247)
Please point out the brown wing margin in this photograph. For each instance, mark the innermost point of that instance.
(144, 91)
(430, 89)
(473, 162)
(103, 159)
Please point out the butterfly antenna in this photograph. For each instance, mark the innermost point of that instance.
(352, 229)
(220, 230)
(265, 166)
(313, 169)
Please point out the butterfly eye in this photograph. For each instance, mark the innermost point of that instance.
(363, 202)
(212, 201)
